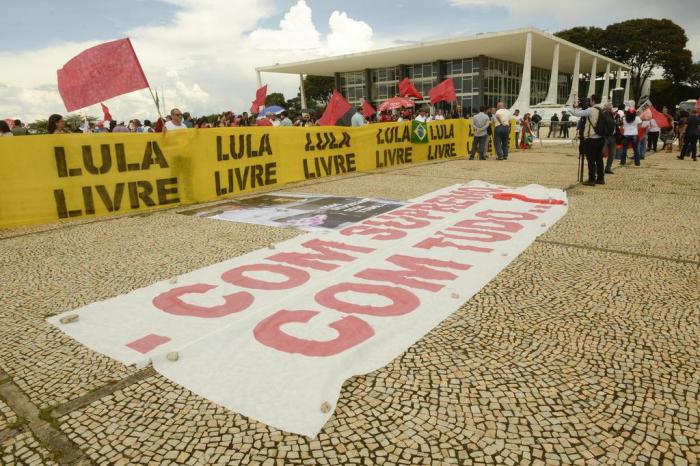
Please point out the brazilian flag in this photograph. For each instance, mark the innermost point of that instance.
(419, 132)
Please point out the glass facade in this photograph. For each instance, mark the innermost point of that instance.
(424, 77)
(478, 81)
(352, 86)
(465, 75)
(385, 83)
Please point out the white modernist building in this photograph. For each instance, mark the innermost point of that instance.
(524, 68)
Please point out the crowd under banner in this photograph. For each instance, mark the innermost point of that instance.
(49, 178)
(273, 334)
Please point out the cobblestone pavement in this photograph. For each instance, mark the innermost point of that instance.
(584, 350)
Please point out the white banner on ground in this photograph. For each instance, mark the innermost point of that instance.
(274, 334)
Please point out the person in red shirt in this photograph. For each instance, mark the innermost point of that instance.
(267, 121)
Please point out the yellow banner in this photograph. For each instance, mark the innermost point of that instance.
(54, 177)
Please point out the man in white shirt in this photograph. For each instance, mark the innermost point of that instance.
(502, 132)
(422, 115)
(175, 122)
(654, 131)
(358, 119)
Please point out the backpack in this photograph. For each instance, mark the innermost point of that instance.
(536, 118)
(605, 126)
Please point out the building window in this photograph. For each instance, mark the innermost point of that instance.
(424, 77)
(463, 75)
(352, 86)
(385, 83)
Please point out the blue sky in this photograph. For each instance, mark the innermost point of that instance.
(202, 53)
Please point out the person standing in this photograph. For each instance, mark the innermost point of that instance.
(480, 122)
(518, 127)
(285, 121)
(592, 142)
(692, 132)
(5, 129)
(175, 122)
(502, 132)
(527, 135)
(422, 114)
(57, 124)
(653, 135)
(536, 118)
(564, 125)
(610, 145)
(266, 121)
(358, 119)
(19, 130)
(630, 132)
(553, 125)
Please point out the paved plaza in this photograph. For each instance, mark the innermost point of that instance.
(584, 350)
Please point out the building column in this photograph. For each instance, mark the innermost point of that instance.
(573, 95)
(606, 85)
(627, 86)
(618, 78)
(368, 85)
(551, 98)
(523, 100)
(301, 90)
(591, 83)
(259, 79)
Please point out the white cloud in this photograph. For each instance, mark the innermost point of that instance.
(204, 59)
(348, 35)
(296, 30)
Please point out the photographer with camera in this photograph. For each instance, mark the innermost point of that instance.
(597, 126)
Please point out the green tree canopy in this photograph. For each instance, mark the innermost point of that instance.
(276, 98)
(592, 38)
(318, 89)
(643, 44)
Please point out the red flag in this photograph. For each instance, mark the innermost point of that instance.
(661, 119)
(337, 107)
(259, 101)
(367, 109)
(407, 89)
(105, 113)
(100, 73)
(443, 91)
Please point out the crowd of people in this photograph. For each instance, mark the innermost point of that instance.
(605, 131)
(627, 128)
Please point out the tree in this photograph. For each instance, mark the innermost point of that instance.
(75, 121)
(694, 75)
(276, 98)
(645, 44)
(39, 126)
(318, 88)
(592, 38)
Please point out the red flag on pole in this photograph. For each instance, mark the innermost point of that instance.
(445, 91)
(259, 101)
(407, 89)
(661, 119)
(105, 113)
(337, 107)
(367, 109)
(100, 73)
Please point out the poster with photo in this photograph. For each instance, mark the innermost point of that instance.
(303, 211)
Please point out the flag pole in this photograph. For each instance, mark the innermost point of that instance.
(155, 101)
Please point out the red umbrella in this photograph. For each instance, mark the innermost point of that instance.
(396, 102)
